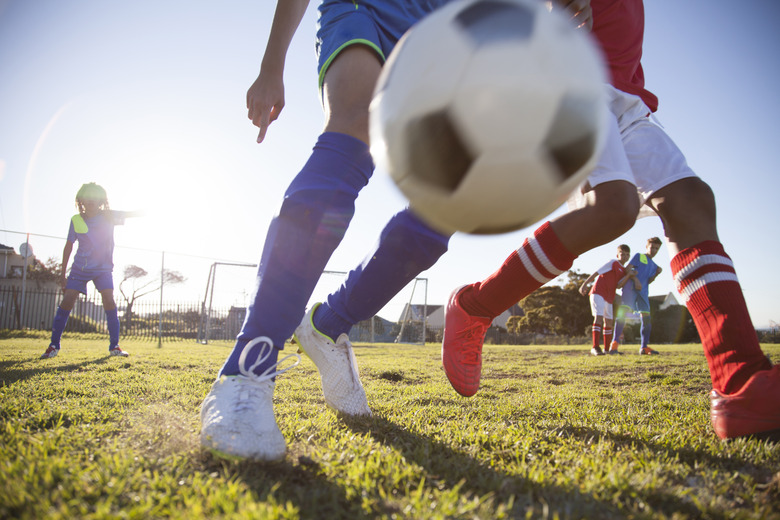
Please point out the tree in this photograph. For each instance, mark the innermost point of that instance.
(554, 309)
(44, 272)
(673, 325)
(139, 287)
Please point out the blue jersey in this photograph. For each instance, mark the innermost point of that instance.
(645, 269)
(95, 237)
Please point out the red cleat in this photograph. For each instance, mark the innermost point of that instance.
(754, 410)
(461, 348)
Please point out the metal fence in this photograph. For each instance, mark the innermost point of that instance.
(148, 319)
(35, 309)
(195, 321)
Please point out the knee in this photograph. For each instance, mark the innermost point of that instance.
(615, 216)
(407, 227)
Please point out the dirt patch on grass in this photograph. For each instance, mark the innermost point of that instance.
(160, 430)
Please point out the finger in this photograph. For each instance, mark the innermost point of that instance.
(263, 123)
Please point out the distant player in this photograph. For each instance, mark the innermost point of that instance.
(610, 277)
(637, 299)
(93, 229)
(641, 168)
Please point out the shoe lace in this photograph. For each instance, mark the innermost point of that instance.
(266, 347)
(253, 395)
(471, 345)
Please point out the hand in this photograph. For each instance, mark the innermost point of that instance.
(265, 101)
(579, 12)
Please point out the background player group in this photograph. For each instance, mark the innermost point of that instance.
(636, 297)
(640, 167)
(608, 278)
(635, 280)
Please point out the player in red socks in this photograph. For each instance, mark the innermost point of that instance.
(638, 159)
(609, 278)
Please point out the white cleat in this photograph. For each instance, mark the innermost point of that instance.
(337, 367)
(51, 352)
(237, 416)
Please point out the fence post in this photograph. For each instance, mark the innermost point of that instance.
(162, 285)
(26, 252)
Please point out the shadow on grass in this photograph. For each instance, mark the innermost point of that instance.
(10, 374)
(303, 484)
(444, 466)
(663, 501)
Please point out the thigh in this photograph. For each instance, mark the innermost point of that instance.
(108, 299)
(69, 299)
(347, 91)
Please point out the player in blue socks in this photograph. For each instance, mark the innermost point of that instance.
(638, 300)
(406, 248)
(353, 41)
(93, 229)
(314, 216)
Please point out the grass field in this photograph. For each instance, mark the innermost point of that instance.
(553, 433)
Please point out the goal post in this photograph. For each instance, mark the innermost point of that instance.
(403, 320)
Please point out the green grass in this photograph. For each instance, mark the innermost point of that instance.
(553, 433)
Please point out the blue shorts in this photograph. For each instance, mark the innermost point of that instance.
(77, 279)
(378, 24)
(636, 301)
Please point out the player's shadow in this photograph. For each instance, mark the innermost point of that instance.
(684, 454)
(304, 485)
(12, 371)
(308, 487)
(443, 464)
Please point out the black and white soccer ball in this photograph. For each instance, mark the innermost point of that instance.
(488, 113)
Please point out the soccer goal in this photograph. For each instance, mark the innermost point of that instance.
(228, 291)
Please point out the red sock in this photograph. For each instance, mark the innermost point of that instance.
(607, 338)
(596, 336)
(540, 259)
(705, 277)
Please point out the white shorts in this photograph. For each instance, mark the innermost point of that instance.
(637, 150)
(600, 307)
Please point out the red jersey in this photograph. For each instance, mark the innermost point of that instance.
(619, 27)
(607, 280)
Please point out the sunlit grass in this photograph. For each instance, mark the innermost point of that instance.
(552, 432)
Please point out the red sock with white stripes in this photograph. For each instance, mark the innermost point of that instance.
(541, 258)
(596, 331)
(607, 338)
(707, 281)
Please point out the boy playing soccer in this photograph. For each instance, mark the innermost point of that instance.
(93, 229)
(610, 277)
(353, 41)
(638, 159)
(636, 297)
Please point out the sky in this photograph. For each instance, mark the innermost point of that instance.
(147, 98)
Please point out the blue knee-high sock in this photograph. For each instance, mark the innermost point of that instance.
(645, 328)
(112, 322)
(619, 324)
(314, 216)
(406, 248)
(58, 326)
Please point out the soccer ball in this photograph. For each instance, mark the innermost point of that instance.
(488, 113)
